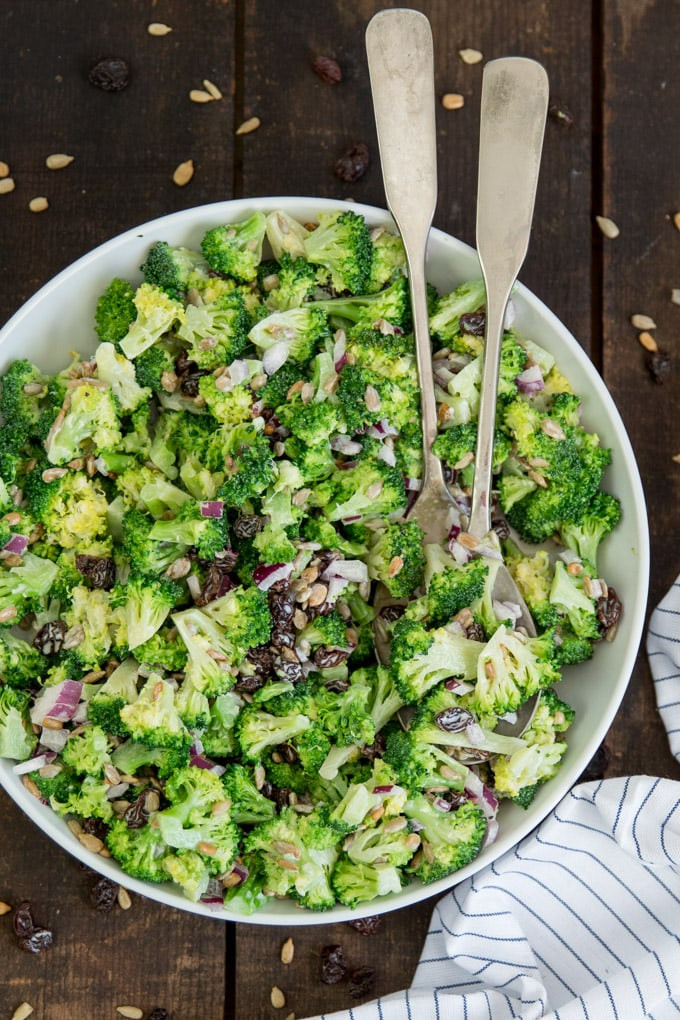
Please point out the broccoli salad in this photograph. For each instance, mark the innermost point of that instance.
(193, 520)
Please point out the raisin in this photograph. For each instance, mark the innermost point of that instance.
(597, 766)
(39, 939)
(159, 1014)
(95, 827)
(325, 657)
(262, 659)
(137, 815)
(473, 323)
(337, 685)
(361, 982)
(475, 632)
(247, 525)
(390, 614)
(353, 164)
(328, 70)
(281, 606)
(658, 365)
(103, 895)
(376, 749)
(111, 74)
(287, 670)
(452, 720)
(609, 609)
(22, 921)
(560, 113)
(189, 383)
(50, 637)
(279, 794)
(333, 965)
(100, 571)
(288, 753)
(217, 580)
(367, 925)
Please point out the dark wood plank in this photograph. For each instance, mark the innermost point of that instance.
(640, 267)
(126, 147)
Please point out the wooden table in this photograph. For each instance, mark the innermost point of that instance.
(612, 64)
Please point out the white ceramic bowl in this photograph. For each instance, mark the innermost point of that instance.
(59, 318)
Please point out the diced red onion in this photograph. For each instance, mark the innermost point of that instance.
(384, 789)
(458, 551)
(441, 804)
(17, 544)
(238, 371)
(350, 570)
(275, 356)
(530, 380)
(200, 762)
(412, 484)
(416, 826)
(212, 508)
(257, 408)
(452, 685)
(22, 767)
(197, 745)
(386, 454)
(454, 532)
(351, 520)
(54, 740)
(382, 429)
(345, 445)
(489, 551)
(475, 734)
(339, 347)
(58, 702)
(569, 556)
(596, 588)
(265, 576)
(241, 871)
(481, 795)
(80, 714)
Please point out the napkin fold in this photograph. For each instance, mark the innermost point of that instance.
(579, 921)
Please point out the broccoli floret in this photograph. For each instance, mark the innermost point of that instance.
(450, 839)
(118, 690)
(218, 737)
(170, 267)
(421, 765)
(370, 489)
(141, 606)
(17, 739)
(230, 407)
(153, 717)
(257, 730)
(156, 314)
(90, 612)
(451, 587)
(153, 365)
(216, 333)
(584, 537)
(300, 330)
(117, 372)
(518, 775)
(396, 557)
(391, 355)
(90, 416)
(140, 852)
(391, 305)
(198, 819)
(314, 462)
(254, 470)
(421, 658)
(569, 648)
(445, 319)
(115, 311)
(236, 249)
(311, 423)
(132, 756)
(88, 752)
(26, 586)
(73, 508)
(244, 614)
(285, 234)
(299, 870)
(208, 535)
(146, 557)
(21, 665)
(381, 844)
(533, 576)
(389, 260)
(345, 716)
(211, 653)
(248, 805)
(367, 397)
(355, 882)
(456, 445)
(288, 283)
(342, 244)
(164, 650)
(330, 630)
(512, 669)
(18, 408)
(568, 594)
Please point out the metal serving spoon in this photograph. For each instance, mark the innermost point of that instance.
(514, 105)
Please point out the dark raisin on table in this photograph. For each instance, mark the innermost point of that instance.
(104, 895)
(39, 939)
(111, 74)
(159, 1014)
(327, 69)
(333, 964)
(658, 365)
(609, 609)
(361, 982)
(367, 925)
(22, 921)
(353, 164)
(597, 766)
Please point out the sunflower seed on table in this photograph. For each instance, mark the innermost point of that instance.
(607, 226)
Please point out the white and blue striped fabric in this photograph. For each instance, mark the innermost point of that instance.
(663, 652)
(580, 921)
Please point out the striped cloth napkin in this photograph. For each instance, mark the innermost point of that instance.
(581, 920)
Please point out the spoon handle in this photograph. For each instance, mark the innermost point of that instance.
(513, 113)
(401, 69)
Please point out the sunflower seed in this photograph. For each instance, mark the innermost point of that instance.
(287, 951)
(642, 321)
(277, 998)
(58, 160)
(453, 101)
(200, 96)
(252, 124)
(4, 169)
(211, 89)
(607, 226)
(158, 28)
(648, 341)
(22, 1011)
(6, 185)
(470, 56)
(38, 204)
(131, 1012)
(183, 173)
(124, 900)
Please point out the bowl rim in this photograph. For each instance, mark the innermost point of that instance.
(553, 791)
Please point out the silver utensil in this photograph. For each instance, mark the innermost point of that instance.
(514, 106)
